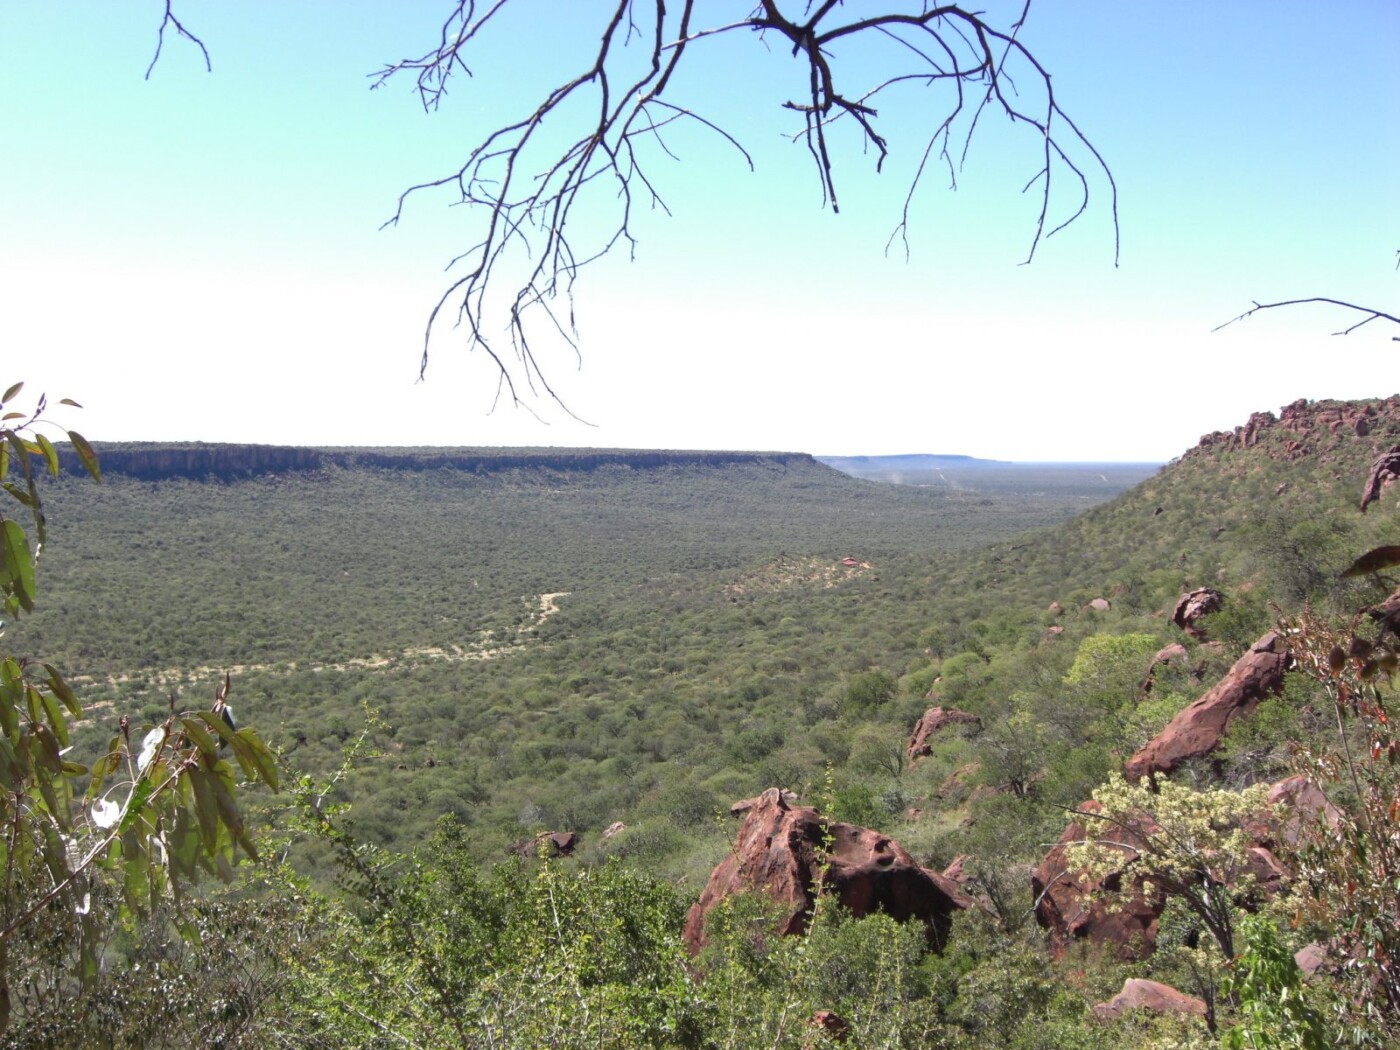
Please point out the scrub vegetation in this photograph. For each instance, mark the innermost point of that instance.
(450, 664)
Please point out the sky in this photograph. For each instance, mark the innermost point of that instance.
(199, 255)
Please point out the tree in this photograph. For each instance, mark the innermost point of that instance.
(531, 183)
(1349, 866)
(156, 814)
(1190, 844)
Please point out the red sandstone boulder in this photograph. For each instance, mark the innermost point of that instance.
(1298, 802)
(1194, 606)
(1384, 472)
(934, 720)
(1100, 605)
(782, 850)
(615, 828)
(1172, 654)
(1140, 994)
(1073, 906)
(1199, 727)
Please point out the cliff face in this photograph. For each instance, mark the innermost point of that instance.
(1307, 428)
(153, 462)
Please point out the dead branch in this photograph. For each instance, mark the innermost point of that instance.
(180, 30)
(1372, 314)
(526, 187)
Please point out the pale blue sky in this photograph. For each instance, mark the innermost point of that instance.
(198, 256)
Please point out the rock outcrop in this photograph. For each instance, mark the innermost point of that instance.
(1073, 906)
(934, 720)
(1305, 428)
(784, 850)
(1199, 727)
(1158, 998)
(1193, 607)
(1384, 473)
(1165, 657)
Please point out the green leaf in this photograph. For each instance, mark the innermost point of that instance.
(12, 392)
(17, 562)
(206, 809)
(18, 493)
(262, 757)
(85, 454)
(217, 724)
(63, 692)
(57, 722)
(135, 805)
(201, 737)
(50, 454)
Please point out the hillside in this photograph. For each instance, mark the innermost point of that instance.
(570, 640)
(599, 655)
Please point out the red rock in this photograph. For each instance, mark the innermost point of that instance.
(1199, 727)
(1298, 802)
(1055, 609)
(1073, 906)
(1053, 631)
(954, 871)
(616, 827)
(1194, 606)
(956, 780)
(1172, 654)
(1140, 994)
(1099, 605)
(832, 1025)
(934, 720)
(1383, 474)
(779, 851)
(1310, 958)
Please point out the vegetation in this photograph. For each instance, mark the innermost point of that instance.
(453, 661)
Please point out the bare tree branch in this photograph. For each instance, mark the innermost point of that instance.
(1374, 315)
(171, 20)
(606, 123)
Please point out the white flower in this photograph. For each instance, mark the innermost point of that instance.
(105, 814)
(154, 739)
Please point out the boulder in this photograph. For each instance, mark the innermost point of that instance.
(1384, 471)
(934, 720)
(1310, 958)
(831, 1025)
(1099, 605)
(1073, 906)
(1172, 654)
(782, 850)
(738, 809)
(1297, 801)
(1140, 994)
(615, 828)
(956, 781)
(548, 844)
(1194, 606)
(1199, 727)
